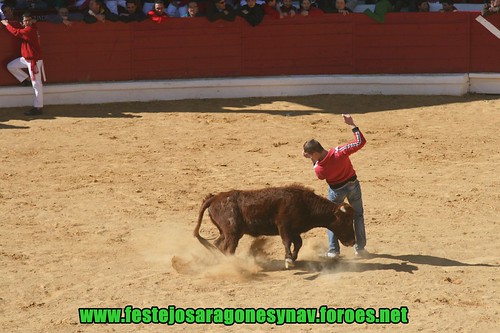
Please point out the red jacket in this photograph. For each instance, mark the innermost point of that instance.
(157, 18)
(336, 167)
(30, 45)
(30, 42)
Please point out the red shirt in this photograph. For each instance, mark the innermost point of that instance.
(336, 167)
(270, 10)
(157, 18)
(30, 43)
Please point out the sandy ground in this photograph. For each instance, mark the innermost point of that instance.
(96, 201)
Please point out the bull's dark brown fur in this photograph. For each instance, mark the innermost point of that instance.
(285, 211)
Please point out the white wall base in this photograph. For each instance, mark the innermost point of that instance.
(108, 92)
(484, 83)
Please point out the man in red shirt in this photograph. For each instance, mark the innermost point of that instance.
(31, 58)
(335, 167)
(158, 14)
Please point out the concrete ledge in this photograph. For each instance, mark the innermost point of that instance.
(108, 92)
(484, 83)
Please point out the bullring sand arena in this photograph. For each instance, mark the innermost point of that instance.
(98, 204)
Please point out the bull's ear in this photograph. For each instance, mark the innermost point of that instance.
(344, 208)
(340, 207)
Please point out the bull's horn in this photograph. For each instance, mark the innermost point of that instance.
(342, 209)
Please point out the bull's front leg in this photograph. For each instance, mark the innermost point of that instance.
(297, 244)
(287, 242)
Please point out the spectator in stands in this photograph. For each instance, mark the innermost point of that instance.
(8, 14)
(272, 9)
(177, 8)
(328, 6)
(288, 9)
(341, 7)
(307, 9)
(252, 12)
(492, 7)
(98, 12)
(423, 6)
(121, 5)
(193, 10)
(158, 14)
(131, 13)
(219, 10)
(63, 16)
(448, 6)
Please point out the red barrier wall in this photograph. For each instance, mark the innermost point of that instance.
(332, 44)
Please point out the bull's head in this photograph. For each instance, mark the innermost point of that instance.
(343, 226)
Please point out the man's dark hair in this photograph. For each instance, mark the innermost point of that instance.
(313, 146)
(26, 15)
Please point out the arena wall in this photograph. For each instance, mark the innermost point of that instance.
(409, 47)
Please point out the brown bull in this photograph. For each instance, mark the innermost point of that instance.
(285, 211)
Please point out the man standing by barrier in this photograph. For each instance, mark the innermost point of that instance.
(31, 58)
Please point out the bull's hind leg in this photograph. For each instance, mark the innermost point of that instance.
(297, 244)
(231, 242)
(219, 242)
(225, 215)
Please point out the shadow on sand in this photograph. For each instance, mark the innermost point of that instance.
(421, 259)
(406, 264)
(305, 105)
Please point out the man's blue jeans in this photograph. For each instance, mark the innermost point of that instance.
(351, 191)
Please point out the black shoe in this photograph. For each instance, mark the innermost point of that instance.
(26, 83)
(34, 112)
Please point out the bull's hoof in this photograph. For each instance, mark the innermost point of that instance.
(289, 263)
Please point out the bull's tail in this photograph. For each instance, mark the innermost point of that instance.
(196, 233)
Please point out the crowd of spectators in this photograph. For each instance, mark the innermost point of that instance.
(253, 11)
(491, 7)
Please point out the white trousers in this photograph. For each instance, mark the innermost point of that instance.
(16, 67)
